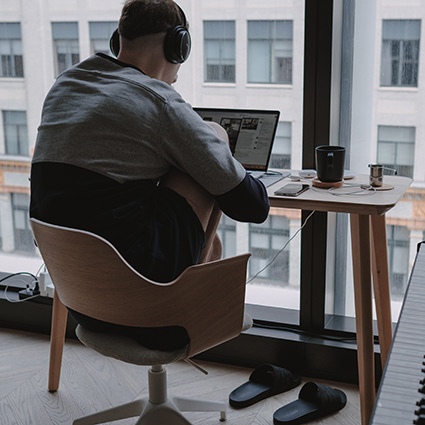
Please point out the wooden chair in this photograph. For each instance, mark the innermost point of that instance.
(91, 277)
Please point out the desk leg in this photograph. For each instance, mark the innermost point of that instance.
(360, 242)
(381, 284)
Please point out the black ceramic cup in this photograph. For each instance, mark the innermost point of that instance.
(330, 162)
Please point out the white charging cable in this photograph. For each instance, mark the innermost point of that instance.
(281, 249)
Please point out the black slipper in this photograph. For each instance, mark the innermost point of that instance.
(265, 381)
(314, 401)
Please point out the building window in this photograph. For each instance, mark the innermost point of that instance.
(265, 241)
(227, 233)
(11, 50)
(270, 52)
(65, 41)
(396, 148)
(15, 132)
(400, 52)
(100, 34)
(219, 51)
(23, 236)
(281, 154)
(398, 238)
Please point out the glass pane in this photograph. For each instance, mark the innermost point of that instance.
(67, 54)
(66, 45)
(275, 56)
(15, 132)
(257, 60)
(100, 33)
(20, 220)
(270, 51)
(400, 52)
(100, 46)
(64, 30)
(11, 50)
(385, 127)
(219, 51)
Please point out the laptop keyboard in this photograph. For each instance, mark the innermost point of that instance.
(269, 179)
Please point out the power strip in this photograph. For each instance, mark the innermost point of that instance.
(47, 289)
(28, 293)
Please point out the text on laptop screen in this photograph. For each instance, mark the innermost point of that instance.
(251, 133)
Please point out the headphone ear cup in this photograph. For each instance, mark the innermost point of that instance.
(177, 44)
(114, 43)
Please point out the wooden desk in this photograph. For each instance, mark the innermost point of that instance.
(369, 252)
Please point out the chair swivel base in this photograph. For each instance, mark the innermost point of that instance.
(153, 414)
(157, 408)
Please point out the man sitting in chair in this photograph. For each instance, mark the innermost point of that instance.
(121, 154)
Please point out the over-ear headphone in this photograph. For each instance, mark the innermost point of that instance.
(177, 42)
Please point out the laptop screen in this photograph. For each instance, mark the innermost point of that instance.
(251, 133)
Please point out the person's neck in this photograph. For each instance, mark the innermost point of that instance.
(150, 65)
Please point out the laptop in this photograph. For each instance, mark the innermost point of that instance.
(251, 137)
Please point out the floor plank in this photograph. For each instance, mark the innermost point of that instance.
(91, 382)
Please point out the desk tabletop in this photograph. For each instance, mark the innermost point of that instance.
(366, 203)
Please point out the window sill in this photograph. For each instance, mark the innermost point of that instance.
(12, 79)
(417, 185)
(15, 158)
(398, 89)
(269, 86)
(218, 84)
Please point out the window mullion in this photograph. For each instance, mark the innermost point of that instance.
(316, 131)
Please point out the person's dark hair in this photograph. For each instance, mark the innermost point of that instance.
(143, 17)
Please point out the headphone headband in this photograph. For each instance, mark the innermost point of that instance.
(177, 42)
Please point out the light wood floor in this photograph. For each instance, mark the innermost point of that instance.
(91, 382)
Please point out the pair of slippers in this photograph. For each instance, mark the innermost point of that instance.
(314, 400)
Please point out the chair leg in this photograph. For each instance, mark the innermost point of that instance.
(186, 404)
(57, 340)
(128, 410)
(164, 413)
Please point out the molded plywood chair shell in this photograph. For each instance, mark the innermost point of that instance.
(91, 277)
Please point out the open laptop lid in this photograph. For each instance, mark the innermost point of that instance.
(251, 133)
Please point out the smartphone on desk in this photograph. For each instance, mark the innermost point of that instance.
(292, 189)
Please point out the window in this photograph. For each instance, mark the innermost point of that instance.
(396, 148)
(227, 234)
(15, 132)
(398, 258)
(281, 154)
(11, 50)
(270, 52)
(400, 52)
(65, 41)
(265, 241)
(100, 34)
(22, 231)
(219, 51)
(363, 107)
